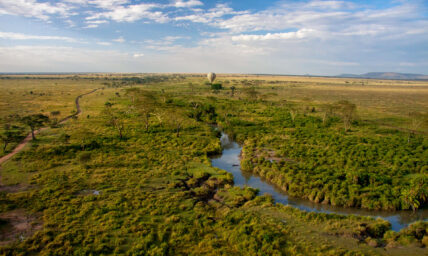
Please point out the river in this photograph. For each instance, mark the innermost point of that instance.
(229, 160)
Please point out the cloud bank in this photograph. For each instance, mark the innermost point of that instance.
(287, 37)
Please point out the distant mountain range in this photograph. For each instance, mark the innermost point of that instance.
(387, 75)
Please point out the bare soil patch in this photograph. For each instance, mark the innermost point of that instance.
(18, 225)
(15, 188)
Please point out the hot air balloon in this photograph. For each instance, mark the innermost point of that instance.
(211, 77)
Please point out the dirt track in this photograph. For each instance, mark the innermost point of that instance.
(27, 139)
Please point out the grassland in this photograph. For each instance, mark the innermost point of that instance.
(81, 189)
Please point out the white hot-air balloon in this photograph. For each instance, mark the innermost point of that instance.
(211, 77)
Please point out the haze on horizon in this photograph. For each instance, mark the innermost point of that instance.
(275, 37)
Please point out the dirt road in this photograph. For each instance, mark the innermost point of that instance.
(27, 139)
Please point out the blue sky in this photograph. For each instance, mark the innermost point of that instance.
(277, 37)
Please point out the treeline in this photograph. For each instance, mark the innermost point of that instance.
(129, 81)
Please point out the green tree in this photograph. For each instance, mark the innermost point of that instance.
(11, 135)
(216, 87)
(416, 194)
(132, 93)
(114, 118)
(176, 119)
(233, 88)
(145, 105)
(35, 121)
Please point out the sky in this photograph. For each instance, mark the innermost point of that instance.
(250, 36)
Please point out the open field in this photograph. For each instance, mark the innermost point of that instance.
(132, 173)
(377, 100)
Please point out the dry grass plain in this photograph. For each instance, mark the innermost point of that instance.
(385, 102)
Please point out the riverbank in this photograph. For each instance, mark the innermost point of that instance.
(229, 160)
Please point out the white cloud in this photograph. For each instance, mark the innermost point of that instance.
(102, 4)
(210, 16)
(327, 37)
(167, 43)
(95, 23)
(33, 9)
(190, 3)
(119, 40)
(138, 55)
(132, 13)
(104, 43)
(91, 26)
(302, 33)
(329, 4)
(329, 18)
(173, 38)
(108, 4)
(70, 23)
(20, 36)
(81, 2)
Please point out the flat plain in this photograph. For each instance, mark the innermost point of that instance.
(131, 175)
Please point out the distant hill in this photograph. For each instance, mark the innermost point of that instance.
(388, 75)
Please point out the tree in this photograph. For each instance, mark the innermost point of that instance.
(114, 118)
(178, 125)
(55, 113)
(216, 87)
(416, 194)
(347, 111)
(192, 87)
(160, 115)
(233, 88)
(11, 135)
(132, 93)
(176, 120)
(35, 121)
(196, 111)
(145, 105)
(252, 93)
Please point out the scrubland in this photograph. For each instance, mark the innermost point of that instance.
(131, 175)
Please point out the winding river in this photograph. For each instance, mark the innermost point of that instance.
(229, 160)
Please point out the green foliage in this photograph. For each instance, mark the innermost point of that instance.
(35, 121)
(11, 134)
(203, 112)
(415, 233)
(154, 192)
(216, 86)
(347, 111)
(115, 118)
(323, 165)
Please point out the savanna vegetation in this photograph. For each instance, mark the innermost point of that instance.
(131, 175)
